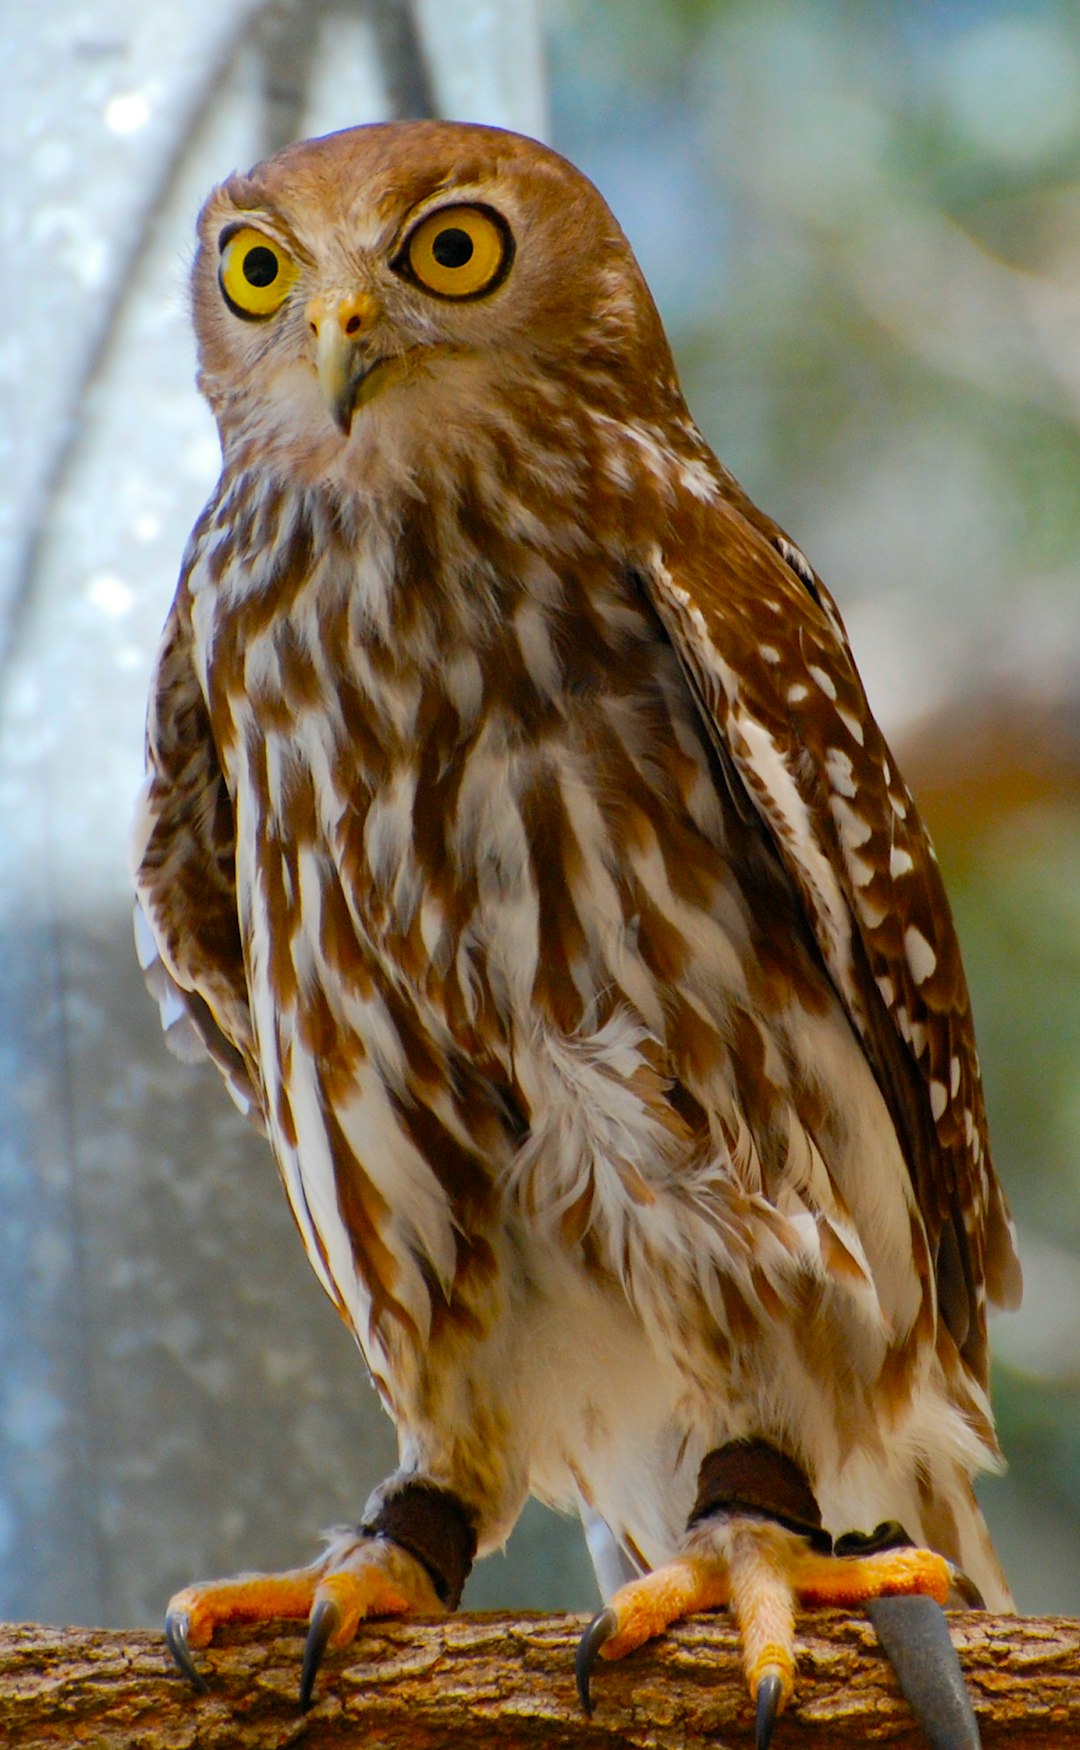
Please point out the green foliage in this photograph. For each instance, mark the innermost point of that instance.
(861, 220)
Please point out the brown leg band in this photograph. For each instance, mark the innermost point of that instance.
(435, 1527)
(752, 1478)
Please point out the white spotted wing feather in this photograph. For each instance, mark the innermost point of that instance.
(765, 652)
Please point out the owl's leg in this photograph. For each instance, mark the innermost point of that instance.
(755, 1543)
(611, 1564)
(411, 1556)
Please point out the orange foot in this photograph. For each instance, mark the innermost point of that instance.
(356, 1578)
(761, 1570)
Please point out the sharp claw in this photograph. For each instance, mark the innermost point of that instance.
(325, 1618)
(177, 1624)
(770, 1691)
(915, 1635)
(963, 1592)
(600, 1629)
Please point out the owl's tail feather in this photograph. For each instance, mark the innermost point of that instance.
(953, 1524)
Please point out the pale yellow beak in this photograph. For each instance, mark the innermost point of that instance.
(341, 327)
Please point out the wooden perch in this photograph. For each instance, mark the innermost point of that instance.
(486, 1680)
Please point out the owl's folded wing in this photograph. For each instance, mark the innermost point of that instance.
(765, 652)
(187, 928)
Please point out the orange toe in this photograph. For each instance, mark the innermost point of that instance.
(646, 1607)
(361, 1576)
(357, 1593)
(760, 1559)
(248, 1598)
(851, 1580)
(760, 1570)
(747, 1569)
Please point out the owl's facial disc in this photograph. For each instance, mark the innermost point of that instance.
(445, 253)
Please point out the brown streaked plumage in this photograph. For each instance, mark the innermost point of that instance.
(519, 842)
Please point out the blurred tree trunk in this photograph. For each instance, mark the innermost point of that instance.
(987, 760)
(508, 1681)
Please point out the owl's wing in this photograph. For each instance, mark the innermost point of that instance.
(187, 928)
(767, 658)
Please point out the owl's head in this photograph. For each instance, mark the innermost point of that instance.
(401, 282)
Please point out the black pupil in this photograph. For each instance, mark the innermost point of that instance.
(260, 266)
(452, 247)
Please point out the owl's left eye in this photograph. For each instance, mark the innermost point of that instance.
(254, 274)
(458, 252)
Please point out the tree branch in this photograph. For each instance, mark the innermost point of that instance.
(487, 1680)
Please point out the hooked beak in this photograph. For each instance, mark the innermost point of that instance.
(345, 369)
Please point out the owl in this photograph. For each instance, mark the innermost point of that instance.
(519, 843)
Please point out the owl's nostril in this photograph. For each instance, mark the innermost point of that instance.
(352, 325)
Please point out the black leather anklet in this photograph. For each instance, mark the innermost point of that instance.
(752, 1478)
(435, 1527)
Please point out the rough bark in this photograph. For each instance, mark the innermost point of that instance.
(479, 1681)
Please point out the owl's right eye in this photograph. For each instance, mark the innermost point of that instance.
(254, 274)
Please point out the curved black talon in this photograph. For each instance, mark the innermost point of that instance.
(325, 1618)
(600, 1629)
(769, 1692)
(963, 1592)
(915, 1636)
(177, 1623)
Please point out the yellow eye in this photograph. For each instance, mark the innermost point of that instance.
(459, 252)
(255, 274)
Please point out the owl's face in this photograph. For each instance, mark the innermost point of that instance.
(396, 281)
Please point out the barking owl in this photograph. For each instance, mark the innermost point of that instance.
(519, 843)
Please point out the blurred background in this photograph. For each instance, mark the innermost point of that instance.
(861, 221)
